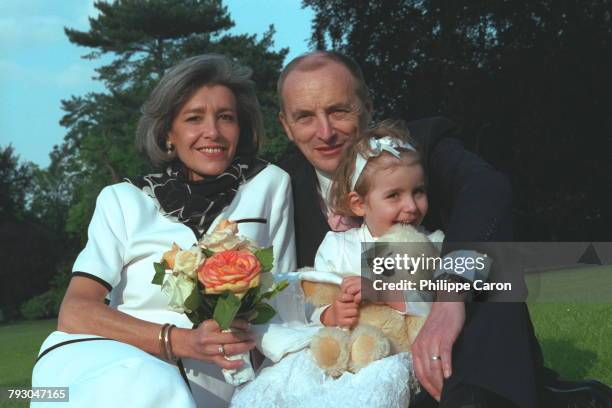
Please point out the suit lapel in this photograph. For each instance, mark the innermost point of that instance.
(311, 225)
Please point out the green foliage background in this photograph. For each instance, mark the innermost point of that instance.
(528, 82)
(48, 210)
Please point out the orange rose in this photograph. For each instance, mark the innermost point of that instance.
(236, 271)
(169, 256)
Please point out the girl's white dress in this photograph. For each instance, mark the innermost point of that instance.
(127, 234)
(296, 381)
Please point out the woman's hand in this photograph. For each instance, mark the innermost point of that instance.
(83, 311)
(208, 343)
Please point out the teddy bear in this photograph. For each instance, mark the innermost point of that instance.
(381, 330)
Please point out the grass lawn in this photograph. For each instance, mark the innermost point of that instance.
(576, 339)
(19, 345)
(571, 310)
(588, 284)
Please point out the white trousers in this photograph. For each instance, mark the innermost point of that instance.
(107, 373)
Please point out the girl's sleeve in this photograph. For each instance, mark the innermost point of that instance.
(102, 259)
(326, 259)
(329, 253)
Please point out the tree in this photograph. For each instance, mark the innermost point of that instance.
(527, 81)
(29, 251)
(15, 182)
(51, 192)
(145, 38)
(30, 254)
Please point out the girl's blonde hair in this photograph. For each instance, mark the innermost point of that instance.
(341, 184)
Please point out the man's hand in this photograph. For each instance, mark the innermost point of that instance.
(343, 312)
(436, 338)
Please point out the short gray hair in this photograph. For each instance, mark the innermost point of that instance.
(179, 84)
(313, 60)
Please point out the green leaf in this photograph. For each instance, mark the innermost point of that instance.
(193, 300)
(195, 317)
(249, 300)
(276, 289)
(264, 312)
(207, 252)
(200, 306)
(160, 273)
(266, 258)
(226, 309)
(209, 302)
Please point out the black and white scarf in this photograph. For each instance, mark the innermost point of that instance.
(197, 203)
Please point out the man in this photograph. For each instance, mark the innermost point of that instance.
(324, 104)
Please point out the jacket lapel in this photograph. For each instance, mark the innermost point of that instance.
(310, 223)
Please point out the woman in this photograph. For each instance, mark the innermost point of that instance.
(203, 121)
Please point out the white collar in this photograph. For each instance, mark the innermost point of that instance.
(325, 182)
(365, 234)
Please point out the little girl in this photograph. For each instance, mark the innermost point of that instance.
(380, 179)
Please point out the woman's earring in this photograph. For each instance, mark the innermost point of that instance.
(169, 147)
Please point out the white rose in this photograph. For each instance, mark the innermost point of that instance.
(226, 240)
(267, 282)
(178, 288)
(187, 262)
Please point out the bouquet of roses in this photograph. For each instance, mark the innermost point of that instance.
(224, 277)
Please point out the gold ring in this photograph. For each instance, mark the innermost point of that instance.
(436, 358)
(221, 349)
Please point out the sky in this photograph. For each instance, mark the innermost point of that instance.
(39, 66)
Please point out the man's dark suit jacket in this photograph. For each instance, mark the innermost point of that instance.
(468, 199)
(470, 202)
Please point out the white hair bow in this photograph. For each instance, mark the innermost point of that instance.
(377, 146)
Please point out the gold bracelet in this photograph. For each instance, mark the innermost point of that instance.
(162, 334)
(168, 344)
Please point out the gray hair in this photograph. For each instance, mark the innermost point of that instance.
(175, 89)
(313, 60)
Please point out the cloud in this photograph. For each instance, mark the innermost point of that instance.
(14, 73)
(35, 50)
(74, 76)
(8, 68)
(30, 32)
(27, 24)
(88, 10)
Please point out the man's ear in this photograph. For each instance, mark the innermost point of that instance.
(356, 204)
(283, 121)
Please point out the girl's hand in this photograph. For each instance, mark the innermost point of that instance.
(208, 343)
(343, 312)
(351, 285)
